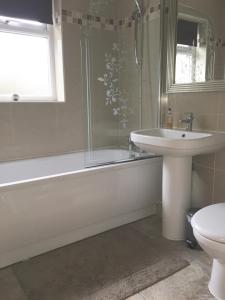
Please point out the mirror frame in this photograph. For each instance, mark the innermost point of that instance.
(170, 32)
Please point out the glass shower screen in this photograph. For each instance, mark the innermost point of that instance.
(112, 58)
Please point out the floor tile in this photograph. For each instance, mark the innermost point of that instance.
(9, 286)
(136, 297)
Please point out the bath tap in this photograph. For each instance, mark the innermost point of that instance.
(188, 120)
(133, 149)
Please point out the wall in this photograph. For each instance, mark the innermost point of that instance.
(36, 129)
(143, 86)
(208, 170)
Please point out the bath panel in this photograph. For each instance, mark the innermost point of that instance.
(51, 211)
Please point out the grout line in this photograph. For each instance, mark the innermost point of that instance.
(19, 283)
(204, 166)
(142, 296)
(220, 114)
(217, 121)
(213, 179)
(213, 168)
(220, 170)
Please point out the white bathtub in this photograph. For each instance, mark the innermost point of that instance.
(49, 202)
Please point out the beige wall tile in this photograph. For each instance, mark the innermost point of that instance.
(200, 122)
(202, 186)
(220, 160)
(6, 130)
(206, 160)
(34, 129)
(201, 103)
(205, 121)
(222, 103)
(39, 129)
(209, 114)
(71, 131)
(221, 122)
(219, 187)
(177, 117)
(172, 100)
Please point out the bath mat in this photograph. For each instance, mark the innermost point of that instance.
(110, 266)
(191, 283)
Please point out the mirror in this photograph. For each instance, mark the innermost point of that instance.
(194, 32)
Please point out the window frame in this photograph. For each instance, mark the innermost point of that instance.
(37, 29)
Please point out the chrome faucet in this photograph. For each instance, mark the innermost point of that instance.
(133, 148)
(188, 120)
(131, 144)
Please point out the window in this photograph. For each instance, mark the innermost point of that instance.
(27, 71)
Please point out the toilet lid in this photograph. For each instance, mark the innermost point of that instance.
(210, 222)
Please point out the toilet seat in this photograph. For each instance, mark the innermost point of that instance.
(210, 222)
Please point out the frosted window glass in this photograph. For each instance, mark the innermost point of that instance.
(24, 65)
(190, 64)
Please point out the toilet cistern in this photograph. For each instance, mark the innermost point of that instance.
(177, 148)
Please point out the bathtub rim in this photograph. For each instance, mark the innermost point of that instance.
(79, 173)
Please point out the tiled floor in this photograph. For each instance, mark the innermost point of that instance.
(188, 284)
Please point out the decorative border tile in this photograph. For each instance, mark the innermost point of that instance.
(219, 42)
(216, 42)
(83, 19)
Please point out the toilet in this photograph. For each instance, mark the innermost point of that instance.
(209, 230)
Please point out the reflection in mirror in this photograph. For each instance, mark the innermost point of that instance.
(195, 44)
(199, 41)
(190, 52)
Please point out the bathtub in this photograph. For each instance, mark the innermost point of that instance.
(49, 202)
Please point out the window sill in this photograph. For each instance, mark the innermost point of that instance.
(32, 101)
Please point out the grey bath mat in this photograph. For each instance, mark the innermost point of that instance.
(111, 266)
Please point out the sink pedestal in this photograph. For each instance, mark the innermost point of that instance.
(176, 198)
(177, 147)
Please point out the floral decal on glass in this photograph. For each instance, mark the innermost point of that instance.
(115, 97)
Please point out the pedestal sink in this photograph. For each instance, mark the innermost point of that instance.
(177, 148)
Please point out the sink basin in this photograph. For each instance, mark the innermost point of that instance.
(177, 148)
(178, 142)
